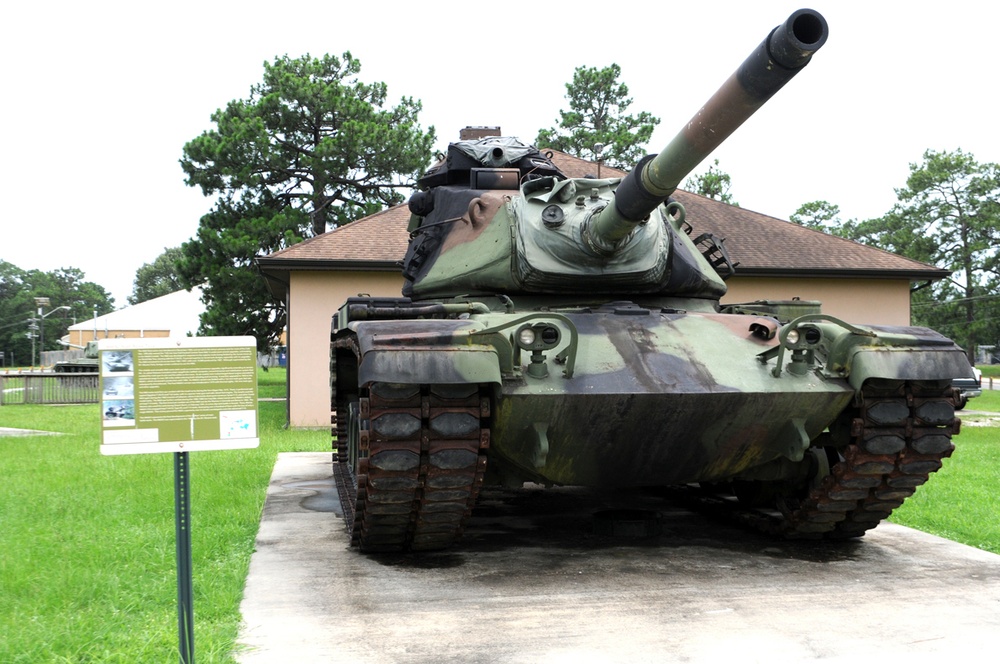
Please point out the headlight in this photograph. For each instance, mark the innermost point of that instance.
(540, 336)
(804, 336)
(525, 337)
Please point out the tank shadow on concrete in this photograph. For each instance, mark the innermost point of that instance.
(578, 519)
(531, 582)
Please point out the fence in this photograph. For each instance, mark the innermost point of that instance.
(48, 388)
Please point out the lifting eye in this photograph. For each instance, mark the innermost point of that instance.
(764, 328)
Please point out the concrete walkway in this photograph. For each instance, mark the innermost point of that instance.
(530, 582)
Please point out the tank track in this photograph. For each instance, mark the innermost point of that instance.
(421, 457)
(899, 435)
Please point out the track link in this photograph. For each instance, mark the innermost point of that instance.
(420, 457)
(899, 436)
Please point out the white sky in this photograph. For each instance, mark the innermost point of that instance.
(100, 97)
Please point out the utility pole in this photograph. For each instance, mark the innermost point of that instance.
(32, 328)
(42, 302)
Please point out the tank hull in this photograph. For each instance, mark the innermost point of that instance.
(834, 423)
(622, 440)
(660, 399)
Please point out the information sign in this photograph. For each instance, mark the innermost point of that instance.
(178, 394)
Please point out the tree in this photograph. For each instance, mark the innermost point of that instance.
(598, 104)
(312, 148)
(713, 183)
(20, 325)
(157, 278)
(220, 258)
(823, 216)
(948, 214)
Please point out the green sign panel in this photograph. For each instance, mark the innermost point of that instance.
(178, 395)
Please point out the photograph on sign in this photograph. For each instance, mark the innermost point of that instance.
(117, 389)
(178, 394)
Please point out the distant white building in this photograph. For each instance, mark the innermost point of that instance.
(173, 315)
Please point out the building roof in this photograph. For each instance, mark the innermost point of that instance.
(763, 245)
(760, 245)
(368, 243)
(177, 313)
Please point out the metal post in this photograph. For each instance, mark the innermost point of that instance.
(41, 338)
(31, 335)
(185, 605)
(41, 302)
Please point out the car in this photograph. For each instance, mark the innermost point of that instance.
(967, 388)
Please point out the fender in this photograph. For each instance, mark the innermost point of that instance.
(906, 363)
(424, 351)
(861, 353)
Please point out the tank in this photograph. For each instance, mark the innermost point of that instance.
(566, 331)
(89, 363)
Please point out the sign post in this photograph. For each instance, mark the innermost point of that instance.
(179, 395)
(185, 579)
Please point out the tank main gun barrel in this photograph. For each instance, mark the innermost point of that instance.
(785, 51)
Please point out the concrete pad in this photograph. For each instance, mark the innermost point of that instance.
(530, 582)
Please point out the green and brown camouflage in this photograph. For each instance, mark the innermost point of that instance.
(569, 331)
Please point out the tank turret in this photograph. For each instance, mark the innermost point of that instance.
(611, 236)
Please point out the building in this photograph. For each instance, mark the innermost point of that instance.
(776, 260)
(174, 315)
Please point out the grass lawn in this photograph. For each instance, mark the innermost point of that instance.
(959, 501)
(88, 564)
(989, 370)
(88, 567)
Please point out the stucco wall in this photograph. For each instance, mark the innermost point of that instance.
(873, 301)
(315, 297)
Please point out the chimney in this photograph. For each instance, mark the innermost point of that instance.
(476, 133)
